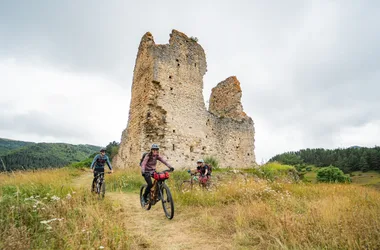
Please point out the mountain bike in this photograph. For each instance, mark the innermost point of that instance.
(195, 182)
(189, 185)
(159, 191)
(99, 185)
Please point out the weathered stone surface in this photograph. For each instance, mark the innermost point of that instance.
(167, 107)
(225, 100)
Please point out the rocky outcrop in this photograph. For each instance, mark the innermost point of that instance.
(167, 107)
(225, 100)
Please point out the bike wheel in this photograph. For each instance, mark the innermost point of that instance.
(186, 186)
(103, 190)
(211, 186)
(167, 201)
(147, 205)
(97, 189)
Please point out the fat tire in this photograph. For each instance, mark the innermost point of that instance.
(103, 190)
(168, 199)
(186, 186)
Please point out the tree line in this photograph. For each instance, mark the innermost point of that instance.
(346, 159)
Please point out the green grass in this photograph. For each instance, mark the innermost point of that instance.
(370, 178)
(311, 176)
(129, 180)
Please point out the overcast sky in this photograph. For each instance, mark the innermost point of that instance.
(309, 70)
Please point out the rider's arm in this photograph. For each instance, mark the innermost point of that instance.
(93, 161)
(163, 161)
(206, 170)
(108, 163)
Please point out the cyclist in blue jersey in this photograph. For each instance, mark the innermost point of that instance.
(97, 165)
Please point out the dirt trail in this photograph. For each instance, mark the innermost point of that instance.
(152, 230)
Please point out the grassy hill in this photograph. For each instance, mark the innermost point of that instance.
(369, 179)
(44, 155)
(6, 145)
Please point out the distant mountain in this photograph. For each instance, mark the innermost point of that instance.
(355, 146)
(29, 155)
(7, 145)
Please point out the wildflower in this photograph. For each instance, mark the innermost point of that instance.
(68, 196)
(101, 247)
(55, 198)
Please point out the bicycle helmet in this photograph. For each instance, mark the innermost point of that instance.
(155, 146)
(102, 150)
(200, 161)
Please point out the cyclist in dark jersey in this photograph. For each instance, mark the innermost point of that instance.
(203, 170)
(97, 165)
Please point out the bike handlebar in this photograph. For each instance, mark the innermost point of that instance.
(165, 171)
(103, 172)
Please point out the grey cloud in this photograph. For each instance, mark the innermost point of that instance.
(306, 67)
(41, 124)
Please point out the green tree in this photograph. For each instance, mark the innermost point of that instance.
(332, 174)
(112, 148)
(363, 164)
(289, 158)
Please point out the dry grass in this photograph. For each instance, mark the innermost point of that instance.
(249, 213)
(40, 210)
(291, 216)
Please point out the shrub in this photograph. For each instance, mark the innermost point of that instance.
(308, 168)
(194, 39)
(274, 170)
(332, 174)
(211, 160)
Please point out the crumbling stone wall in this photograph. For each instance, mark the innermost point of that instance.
(167, 107)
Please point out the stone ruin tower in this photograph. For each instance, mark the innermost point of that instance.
(167, 108)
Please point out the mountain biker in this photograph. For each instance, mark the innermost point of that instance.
(148, 167)
(203, 170)
(97, 165)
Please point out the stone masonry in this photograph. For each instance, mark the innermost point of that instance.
(167, 108)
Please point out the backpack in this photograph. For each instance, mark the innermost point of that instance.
(143, 156)
(209, 168)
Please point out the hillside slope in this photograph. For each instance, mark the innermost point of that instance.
(7, 145)
(46, 155)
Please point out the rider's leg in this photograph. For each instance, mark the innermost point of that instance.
(148, 180)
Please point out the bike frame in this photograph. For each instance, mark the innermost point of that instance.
(159, 192)
(155, 192)
(99, 180)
